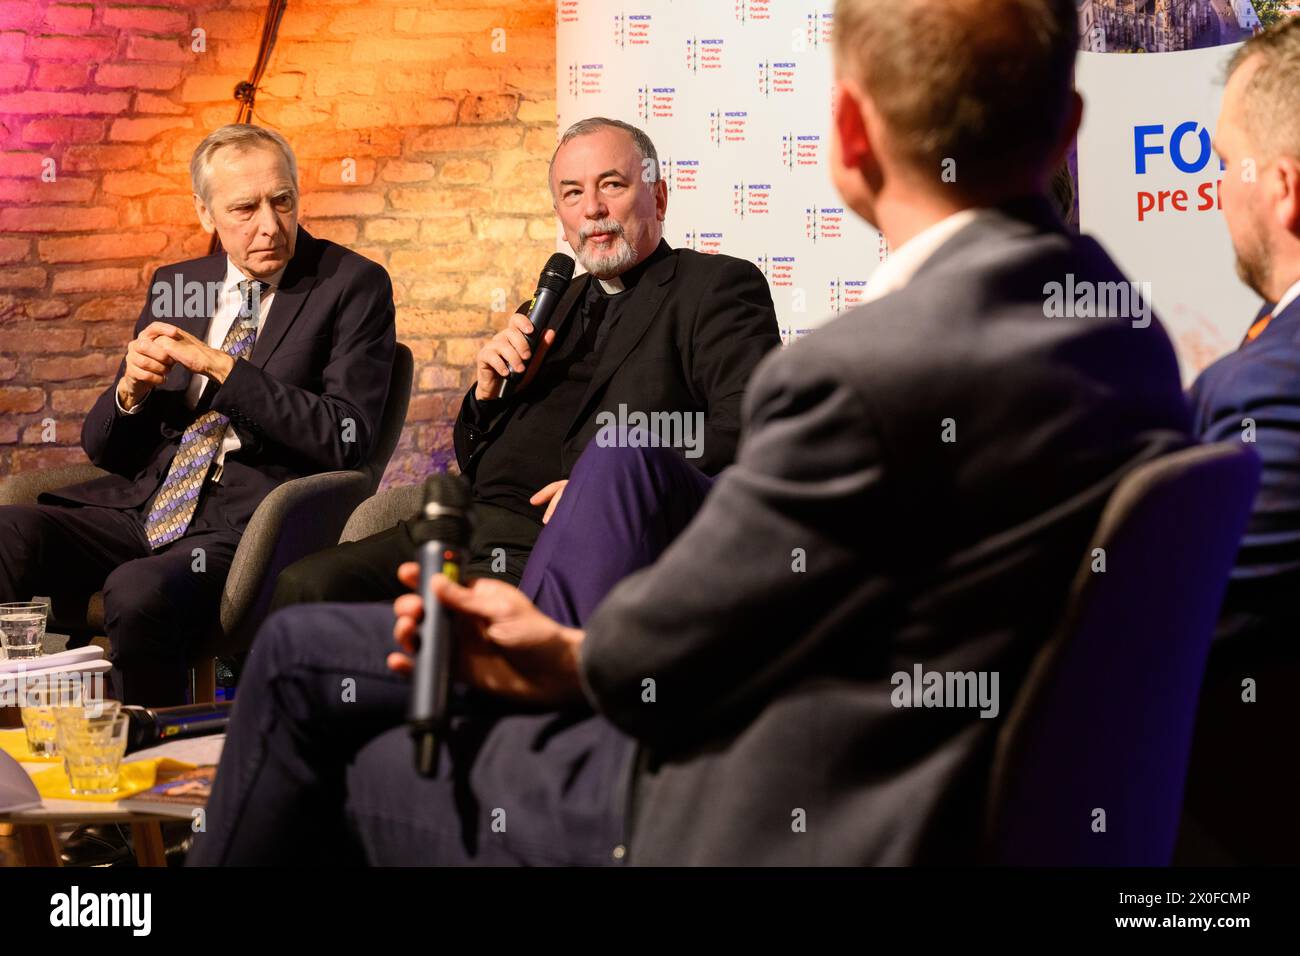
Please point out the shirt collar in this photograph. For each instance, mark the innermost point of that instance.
(904, 262)
(234, 277)
(1288, 297)
(628, 280)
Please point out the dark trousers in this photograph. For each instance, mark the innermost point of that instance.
(154, 602)
(319, 765)
(366, 569)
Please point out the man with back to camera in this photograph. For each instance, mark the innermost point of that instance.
(755, 686)
(646, 327)
(1242, 775)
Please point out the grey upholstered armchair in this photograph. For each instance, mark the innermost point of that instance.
(298, 518)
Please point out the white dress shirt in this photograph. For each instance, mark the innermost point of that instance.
(897, 271)
(1289, 296)
(228, 304)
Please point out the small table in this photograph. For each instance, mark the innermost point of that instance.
(35, 826)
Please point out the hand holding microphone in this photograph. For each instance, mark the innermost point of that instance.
(502, 363)
(443, 530)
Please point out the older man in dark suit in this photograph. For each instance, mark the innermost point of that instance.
(266, 362)
(915, 485)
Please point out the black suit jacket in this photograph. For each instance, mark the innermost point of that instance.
(772, 708)
(323, 358)
(688, 341)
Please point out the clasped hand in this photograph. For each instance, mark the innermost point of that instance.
(153, 352)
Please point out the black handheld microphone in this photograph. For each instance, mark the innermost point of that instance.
(150, 726)
(444, 529)
(550, 286)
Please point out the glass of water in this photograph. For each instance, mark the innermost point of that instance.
(22, 626)
(42, 699)
(92, 741)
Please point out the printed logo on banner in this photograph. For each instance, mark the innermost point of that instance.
(710, 243)
(846, 294)
(631, 29)
(704, 54)
(655, 102)
(818, 29)
(779, 270)
(586, 79)
(752, 10)
(680, 174)
(751, 199)
(568, 11)
(803, 150)
(1181, 156)
(824, 222)
(776, 77)
(728, 127)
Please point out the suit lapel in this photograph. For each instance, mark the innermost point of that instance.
(298, 280)
(637, 317)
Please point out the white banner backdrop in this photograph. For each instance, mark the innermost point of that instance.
(736, 95)
(1149, 187)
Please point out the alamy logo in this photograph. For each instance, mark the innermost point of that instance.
(656, 430)
(1098, 300)
(103, 909)
(946, 689)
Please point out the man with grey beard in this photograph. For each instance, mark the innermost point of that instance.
(647, 330)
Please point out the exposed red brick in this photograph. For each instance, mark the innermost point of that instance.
(141, 130)
(76, 49)
(43, 340)
(30, 278)
(18, 13)
(62, 76)
(52, 219)
(63, 104)
(320, 205)
(66, 369)
(138, 76)
(13, 75)
(116, 309)
(79, 158)
(102, 246)
(155, 20)
(32, 190)
(21, 399)
(14, 250)
(167, 51)
(96, 280)
(63, 131)
(67, 400)
(63, 18)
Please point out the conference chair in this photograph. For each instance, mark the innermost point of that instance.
(298, 518)
(1091, 763)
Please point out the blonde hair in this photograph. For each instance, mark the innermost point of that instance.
(1271, 100)
(984, 83)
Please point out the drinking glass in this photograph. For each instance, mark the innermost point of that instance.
(41, 699)
(92, 740)
(22, 626)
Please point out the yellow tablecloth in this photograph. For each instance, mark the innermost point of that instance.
(135, 776)
(14, 743)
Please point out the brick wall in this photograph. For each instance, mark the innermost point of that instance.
(422, 127)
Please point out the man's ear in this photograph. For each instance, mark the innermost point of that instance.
(1070, 129)
(1286, 198)
(204, 214)
(855, 146)
(661, 198)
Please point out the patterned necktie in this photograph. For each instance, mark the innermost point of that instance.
(174, 506)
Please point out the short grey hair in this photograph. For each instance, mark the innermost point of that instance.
(238, 136)
(593, 124)
(1271, 100)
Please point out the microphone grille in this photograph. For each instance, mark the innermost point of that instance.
(446, 509)
(557, 273)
